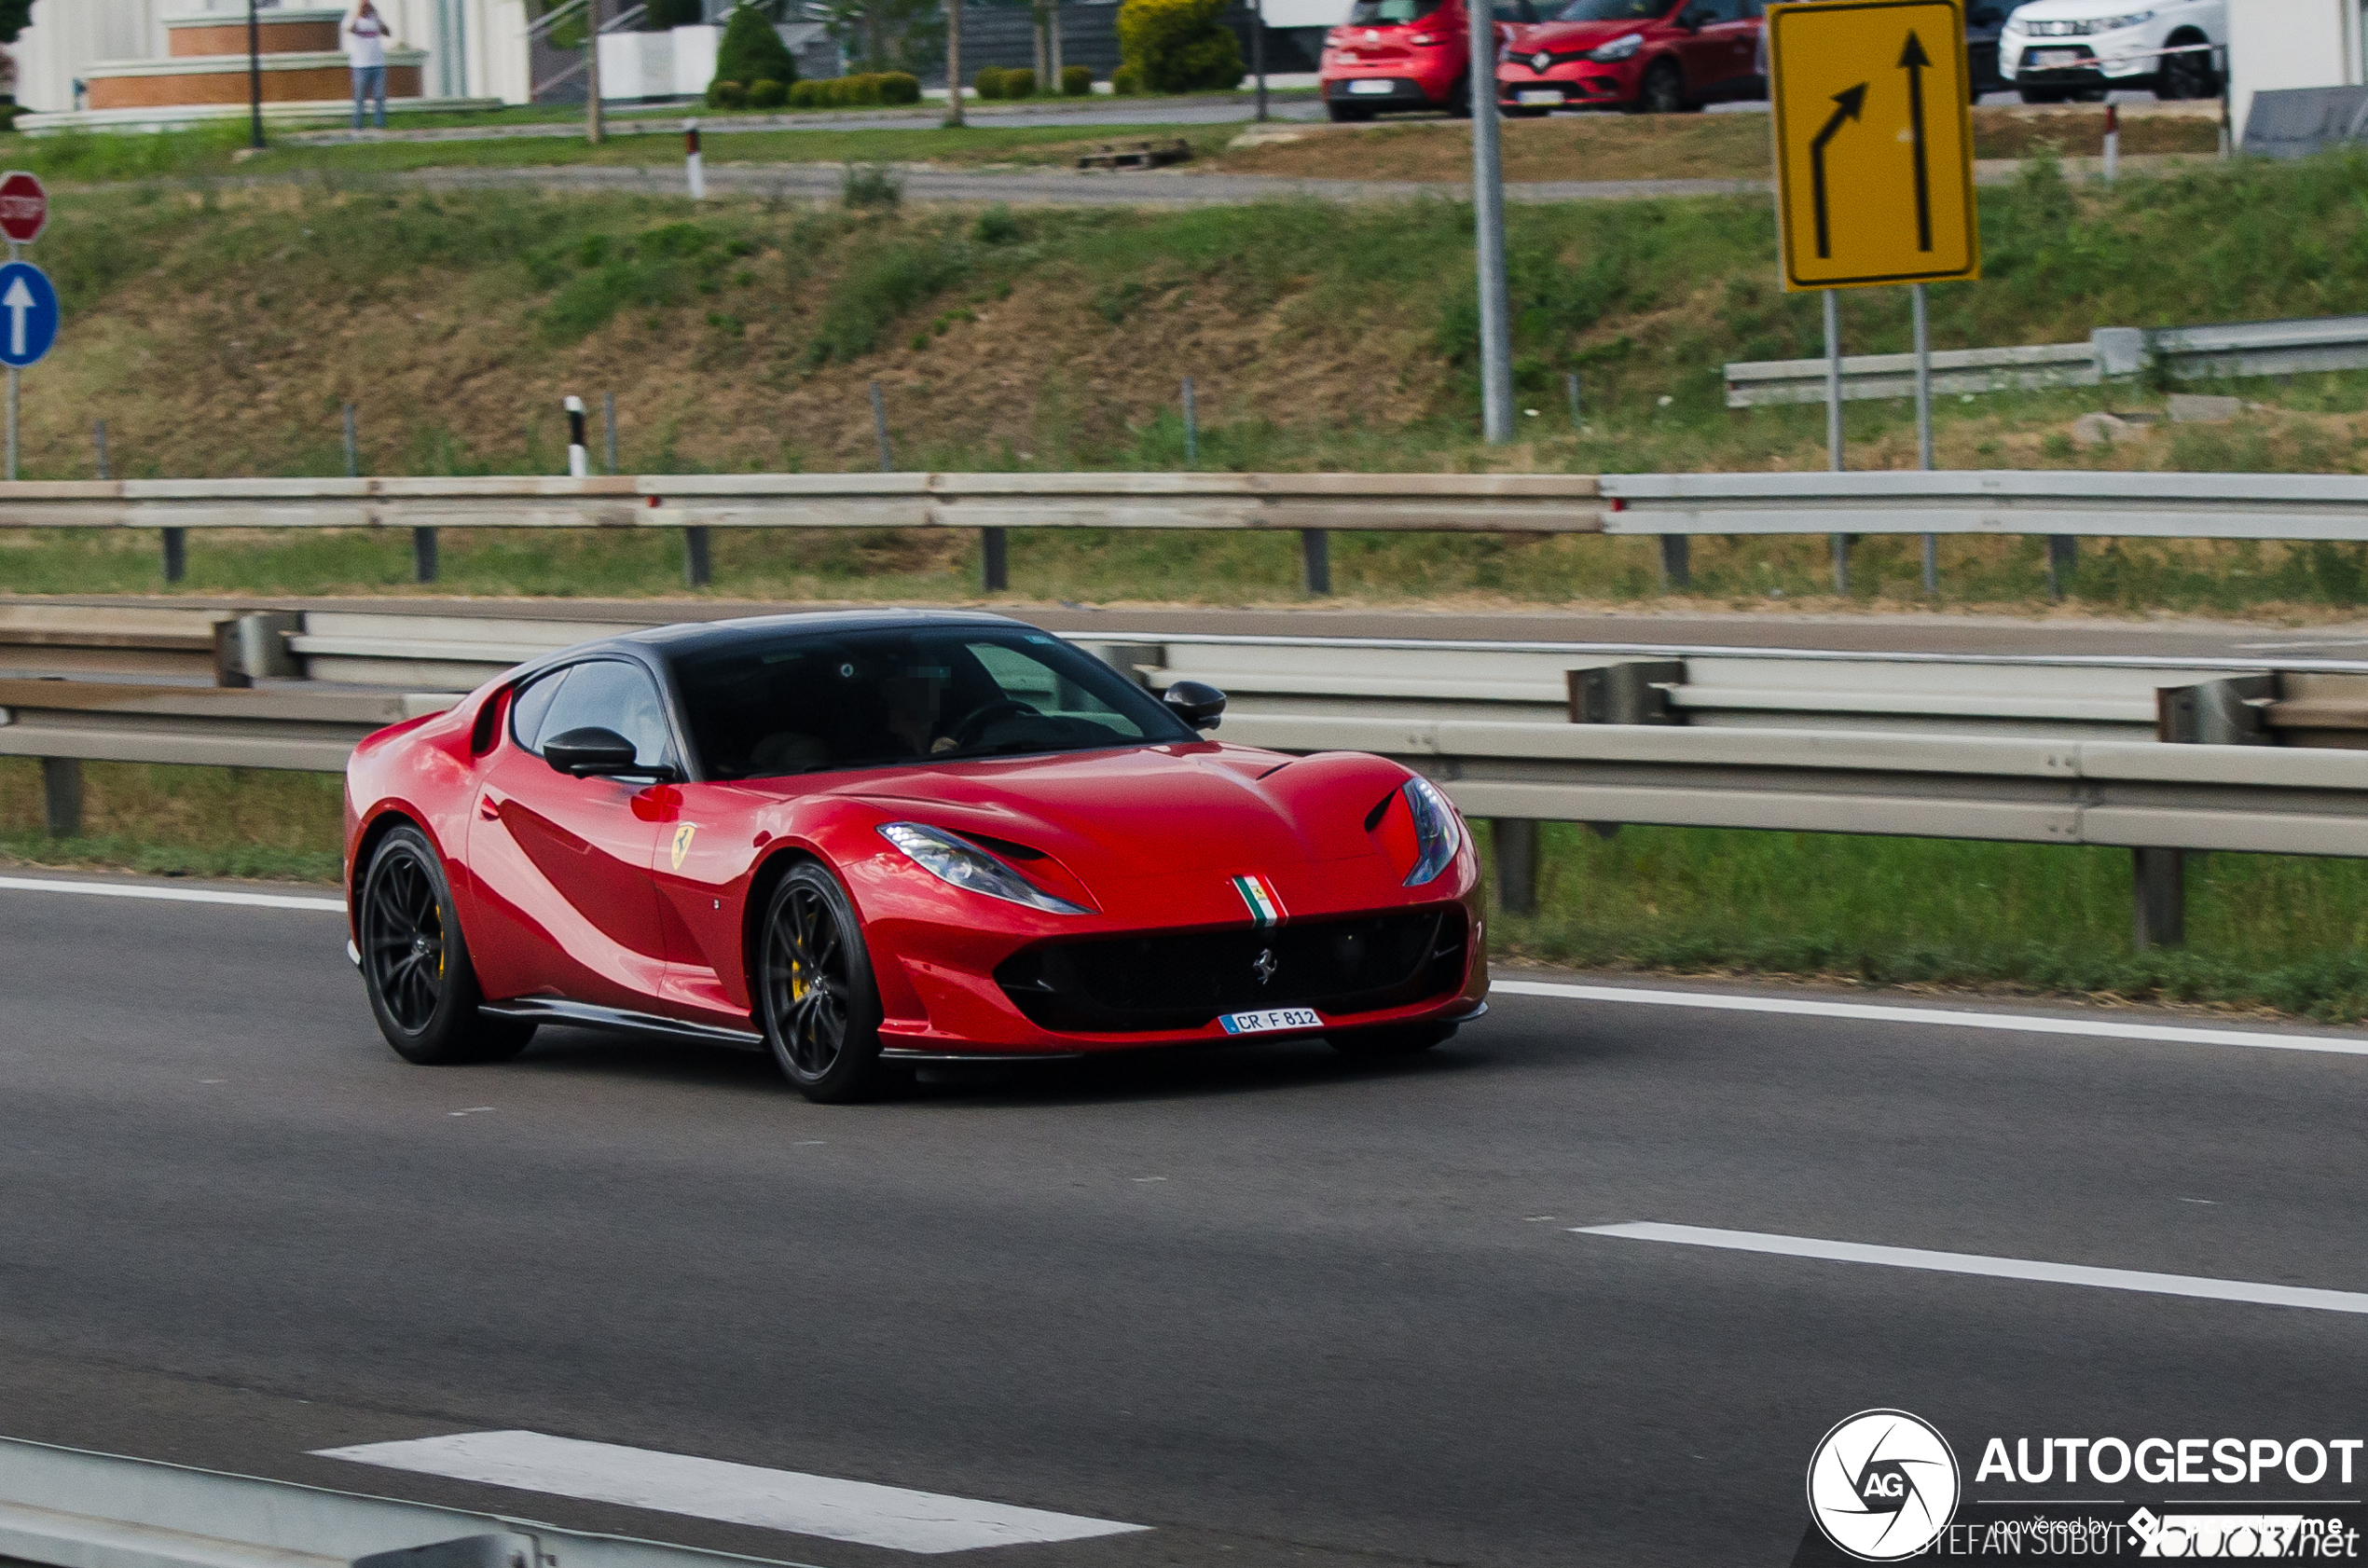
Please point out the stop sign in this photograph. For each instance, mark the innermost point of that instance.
(24, 207)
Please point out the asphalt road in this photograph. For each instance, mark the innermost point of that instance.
(1280, 1309)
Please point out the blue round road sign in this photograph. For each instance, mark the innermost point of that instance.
(27, 314)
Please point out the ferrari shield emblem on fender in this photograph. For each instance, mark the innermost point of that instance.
(683, 837)
(1258, 893)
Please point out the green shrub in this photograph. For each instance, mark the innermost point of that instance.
(989, 81)
(767, 95)
(871, 184)
(750, 51)
(1180, 46)
(996, 226)
(1077, 81)
(1019, 82)
(805, 95)
(722, 94)
(900, 87)
(1123, 83)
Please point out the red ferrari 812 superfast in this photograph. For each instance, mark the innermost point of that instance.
(870, 840)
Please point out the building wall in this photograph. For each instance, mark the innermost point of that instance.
(477, 48)
(2277, 44)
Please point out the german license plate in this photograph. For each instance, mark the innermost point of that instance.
(1535, 96)
(1273, 1018)
(1373, 85)
(2054, 59)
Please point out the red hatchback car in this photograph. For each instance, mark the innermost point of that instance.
(1646, 56)
(862, 842)
(1407, 54)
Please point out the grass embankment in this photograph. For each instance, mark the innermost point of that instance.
(218, 332)
(1563, 147)
(2265, 930)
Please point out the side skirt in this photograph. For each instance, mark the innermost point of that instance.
(582, 1015)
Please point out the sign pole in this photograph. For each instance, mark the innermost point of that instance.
(1488, 217)
(1924, 425)
(1834, 428)
(255, 76)
(15, 253)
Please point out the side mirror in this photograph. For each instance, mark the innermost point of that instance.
(1196, 702)
(590, 752)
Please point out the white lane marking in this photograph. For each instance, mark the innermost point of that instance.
(1995, 1268)
(167, 895)
(2013, 1022)
(677, 1484)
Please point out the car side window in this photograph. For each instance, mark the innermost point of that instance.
(528, 707)
(1516, 11)
(611, 694)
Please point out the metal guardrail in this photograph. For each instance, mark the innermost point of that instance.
(2188, 353)
(69, 1508)
(2025, 749)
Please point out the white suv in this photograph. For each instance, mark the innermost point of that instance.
(2054, 50)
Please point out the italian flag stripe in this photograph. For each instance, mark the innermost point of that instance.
(1265, 908)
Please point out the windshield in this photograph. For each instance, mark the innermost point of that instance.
(875, 699)
(1389, 13)
(1611, 10)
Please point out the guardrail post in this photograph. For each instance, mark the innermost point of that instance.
(2160, 888)
(1675, 567)
(1513, 841)
(994, 560)
(697, 572)
(2063, 554)
(1634, 693)
(1315, 559)
(423, 554)
(176, 554)
(2230, 711)
(61, 796)
(256, 645)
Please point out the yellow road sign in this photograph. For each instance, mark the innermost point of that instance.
(1873, 143)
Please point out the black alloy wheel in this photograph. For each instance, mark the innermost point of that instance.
(1459, 98)
(821, 1009)
(415, 962)
(1663, 91)
(2186, 75)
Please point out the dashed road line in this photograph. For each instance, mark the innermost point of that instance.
(2140, 1280)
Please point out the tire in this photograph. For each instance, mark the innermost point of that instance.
(816, 996)
(2042, 95)
(1400, 1039)
(1459, 98)
(1348, 114)
(1663, 90)
(415, 963)
(2186, 75)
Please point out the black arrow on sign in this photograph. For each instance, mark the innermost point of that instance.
(1915, 62)
(1852, 101)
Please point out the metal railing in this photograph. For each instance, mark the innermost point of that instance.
(2186, 354)
(2061, 504)
(2273, 756)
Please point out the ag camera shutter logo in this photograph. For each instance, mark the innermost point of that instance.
(1883, 1485)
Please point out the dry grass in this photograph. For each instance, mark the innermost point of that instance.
(1604, 147)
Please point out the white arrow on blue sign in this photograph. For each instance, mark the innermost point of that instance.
(27, 314)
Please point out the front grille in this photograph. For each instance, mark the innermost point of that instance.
(1144, 985)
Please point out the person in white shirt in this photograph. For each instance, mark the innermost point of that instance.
(366, 51)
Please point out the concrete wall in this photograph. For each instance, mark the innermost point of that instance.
(2274, 44)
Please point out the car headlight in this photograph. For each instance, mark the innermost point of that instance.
(1618, 48)
(1439, 833)
(966, 866)
(2115, 25)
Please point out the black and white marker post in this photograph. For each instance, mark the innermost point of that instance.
(579, 457)
(692, 165)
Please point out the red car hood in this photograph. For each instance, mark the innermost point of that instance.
(1560, 36)
(1150, 811)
